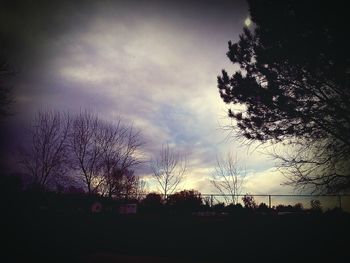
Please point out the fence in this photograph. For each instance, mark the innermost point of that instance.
(327, 201)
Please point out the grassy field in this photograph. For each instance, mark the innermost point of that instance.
(82, 237)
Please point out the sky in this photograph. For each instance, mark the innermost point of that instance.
(151, 63)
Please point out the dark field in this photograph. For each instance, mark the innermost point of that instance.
(57, 236)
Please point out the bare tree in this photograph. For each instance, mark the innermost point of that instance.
(111, 145)
(123, 184)
(129, 184)
(169, 170)
(141, 189)
(228, 177)
(120, 153)
(45, 157)
(85, 143)
(103, 153)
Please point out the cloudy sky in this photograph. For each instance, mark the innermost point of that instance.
(152, 63)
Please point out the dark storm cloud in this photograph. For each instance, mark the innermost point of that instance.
(32, 31)
(27, 26)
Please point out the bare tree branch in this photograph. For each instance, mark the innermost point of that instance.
(169, 170)
(120, 153)
(85, 143)
(46, 156)
(228, 177)
(314, 166)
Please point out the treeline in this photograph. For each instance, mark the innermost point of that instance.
(191, 201)
(185, 202)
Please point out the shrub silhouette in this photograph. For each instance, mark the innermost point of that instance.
(185, 201)
(263, 208)
(235, 209)
(297, 208)
(153, 202)
(249, 202)
(316, 206)
(219, 207)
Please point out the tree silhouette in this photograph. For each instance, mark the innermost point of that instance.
(104, 154)
(85, 147)
(169, 170)
(228, 178)
(119, 145)
(45, 157)
(293, 84)
(121, 183)
(185, 201)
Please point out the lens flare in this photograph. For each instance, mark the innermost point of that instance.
(247, 22)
